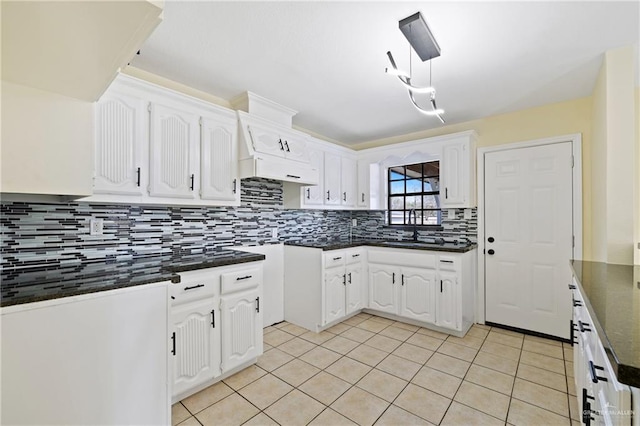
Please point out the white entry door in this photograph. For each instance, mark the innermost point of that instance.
(528, 238)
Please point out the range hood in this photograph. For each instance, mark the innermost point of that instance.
(269, 147)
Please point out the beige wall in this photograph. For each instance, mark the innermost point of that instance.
(598, 169)
(636, 204)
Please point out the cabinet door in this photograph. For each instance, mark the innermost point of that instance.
(218, 153)
(362, 196)
(120, 139)
(355, 288)
(174, 141)
(197, 344)
(448, 301)
(295, 148)
(313, 195)
(417, 294)
(332, 178)
(266, 140)
(334, 294)
(241, 328)
(382, 287)
(453, 174)
(348, 183)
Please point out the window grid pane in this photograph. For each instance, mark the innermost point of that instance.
(414, 187)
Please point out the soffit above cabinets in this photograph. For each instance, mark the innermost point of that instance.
(73, 48)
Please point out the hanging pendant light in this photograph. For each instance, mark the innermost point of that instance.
(421, 39)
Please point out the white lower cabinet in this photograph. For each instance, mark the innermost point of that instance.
(431, 288)
(216, 325)
(242, 328)
(195, 343)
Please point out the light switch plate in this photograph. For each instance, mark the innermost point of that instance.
(467, 213)
(96, 226)
(354, 222)
(451, 213)
(274, 233)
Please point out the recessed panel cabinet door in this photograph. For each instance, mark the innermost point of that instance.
(417, 295)
(119, 138)
(332, 170)
(312, 195)
(266, 141)
(295, 147)
(334, 294)
(382, 288)
(452, 175)
(173, 146)
(197, 344)
(448, 301)
(218, 167)
(241, 328)
(355, 290)
(348, 174)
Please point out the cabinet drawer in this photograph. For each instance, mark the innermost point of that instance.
(403, 257)
(240, 280)
(334, 259)
(194, 285)
(448, 263)
(354, 256)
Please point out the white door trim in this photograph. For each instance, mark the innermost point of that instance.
(576, 149)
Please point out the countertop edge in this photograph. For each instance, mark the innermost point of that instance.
(625, 374)
(340, 246)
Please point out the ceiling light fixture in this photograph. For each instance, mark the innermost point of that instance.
(417, 32)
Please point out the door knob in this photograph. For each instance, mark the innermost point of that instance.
(490, 251)
(490, 239)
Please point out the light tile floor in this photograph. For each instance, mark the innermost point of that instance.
(371, 370)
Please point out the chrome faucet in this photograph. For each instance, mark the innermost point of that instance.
(415, 224)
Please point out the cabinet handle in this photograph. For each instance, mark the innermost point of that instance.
(138, 177)
(572, 333)
(446, 193)
(193, 286)
(287, 145)
(583, 326)
(257, 304)
(281, 146)
(355, 255)
(246, 277)
(337, 258)
(446, 261)
(363, 197)
(349, 277)
(344, 279)
(235, 182)
(586, 407)
(440, 286)
(293, 176)
(402, 279)
(393, 278)
(328, 195)
(344, 196)
(308, 193)
(213, 318)
(594, 376)
(572, 287)
(192, 179)
(173, 339)
(577, 303)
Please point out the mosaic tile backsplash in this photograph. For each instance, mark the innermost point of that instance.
(36, 234)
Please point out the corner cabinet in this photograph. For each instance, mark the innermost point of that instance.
(458, 173)
(157, 146)
(323, 287)
(216, 325)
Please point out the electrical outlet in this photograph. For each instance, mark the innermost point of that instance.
(354, 222)
(274, 233)
(96, 226)
(467, 213)
(451, 213)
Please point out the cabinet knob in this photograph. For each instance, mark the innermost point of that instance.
(491, 239)
(491, 251)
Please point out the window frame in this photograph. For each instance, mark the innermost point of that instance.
(423, 176)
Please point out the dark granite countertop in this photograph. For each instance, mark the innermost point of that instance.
(612, 294)
(348, 243)
(26, 285)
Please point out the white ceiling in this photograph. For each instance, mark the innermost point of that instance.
(327, 59)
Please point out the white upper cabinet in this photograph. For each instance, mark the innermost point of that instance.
(219, 160)
(332, 177)
(312, 195)
(295, 148)
(266, 140)
(173, 145)
(121, 132)
(457, 174)
(348, 184)
(363, 194)
(154, 145)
